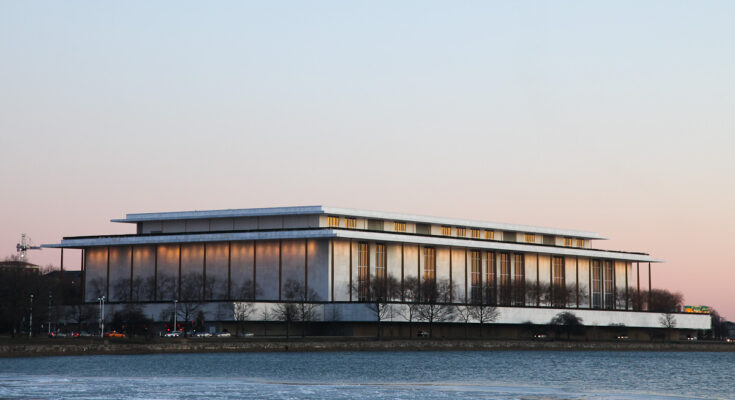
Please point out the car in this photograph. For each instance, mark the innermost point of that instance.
(622, 337)
(202, 334)
(115, 334)
(541, 337)
(172, 334)
(422, 333)
(224, 334)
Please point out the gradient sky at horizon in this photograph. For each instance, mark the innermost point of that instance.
(613, 117)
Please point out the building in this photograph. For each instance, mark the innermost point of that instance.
(340, 259)
(19, 265)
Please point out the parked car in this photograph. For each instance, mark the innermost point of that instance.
(542, 337)
(202, 334)
(172, 334)
(247, 334)
(422, 333)
(115, 334)
(224, 334)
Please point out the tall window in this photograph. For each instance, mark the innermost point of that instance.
(580, 242)
(519, 280)
(447, 230)
(476, 277)
(350, 223)
(568, 242)
(461, 232)
(380, 263)
(596, 284)
(558, 290)
(530, 238)
(363, 272)
(491, 291)
(399, 226)
(333, 222)
(429, 265)
(475, 233)
(505, 287)
(489, 235)
(609, 287)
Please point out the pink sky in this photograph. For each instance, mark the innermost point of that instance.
(611, 118)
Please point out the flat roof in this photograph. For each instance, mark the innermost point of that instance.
(122, 240)
(350, 212)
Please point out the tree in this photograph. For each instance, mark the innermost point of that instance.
(662, 300)
(719, 326)
(567, 322)
(81, 315)
(242, 312)
(464, 313)
(248, 291)
(410, 294)
(484, 311)
(434, 306)
(382, 292)
(668, 321)
(299, 305)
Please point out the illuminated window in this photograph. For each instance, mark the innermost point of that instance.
(505, 287)
(568, 242)
(399, 226)
(380, 262)
(519, 280)
(489, 235)
(351, 223)
(333, 222)
(447, 230)
(429, 265)
(559, 282)
(580, 242)
(363, 272)
(608, 288)
(491, 296)
(476, 280)
(461, 232)
(596, 284)
(475, 233)
(530, 238)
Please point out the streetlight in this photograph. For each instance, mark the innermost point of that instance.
(175, 312)
(102, 315)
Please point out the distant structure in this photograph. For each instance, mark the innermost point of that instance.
(340, 258)
(19, 265)
(24, 246)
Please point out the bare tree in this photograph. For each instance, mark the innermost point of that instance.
(663, 300)
(464, 313)
(242, 312)
(434, 305)
(167, 287)
(96, 288)
(668, 321)
(382, 292)
(121, 290)
(410, 294)
(81, 315)
(248, 290)
(286, 312)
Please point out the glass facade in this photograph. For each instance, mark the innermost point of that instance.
(505, 285)
(596, 284)
(476, 276)
(609, 288)
(519, 279)
(363, 272)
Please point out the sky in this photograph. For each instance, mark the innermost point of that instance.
(614, 117)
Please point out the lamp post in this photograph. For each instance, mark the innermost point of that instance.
(30, 320)
(102, 315)
(175, 312)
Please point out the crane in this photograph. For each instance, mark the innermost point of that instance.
(25, 245)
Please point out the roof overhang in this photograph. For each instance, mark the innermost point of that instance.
(347, 234)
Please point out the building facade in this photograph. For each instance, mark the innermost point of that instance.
(343, 258)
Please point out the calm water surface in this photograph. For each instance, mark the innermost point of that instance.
(379, 375)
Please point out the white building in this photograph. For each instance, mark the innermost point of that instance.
(336, 256)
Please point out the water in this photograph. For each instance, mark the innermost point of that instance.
(380, 375)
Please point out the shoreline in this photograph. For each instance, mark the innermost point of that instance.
(76, 347)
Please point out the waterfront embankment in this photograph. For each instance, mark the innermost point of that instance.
(86, 346)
